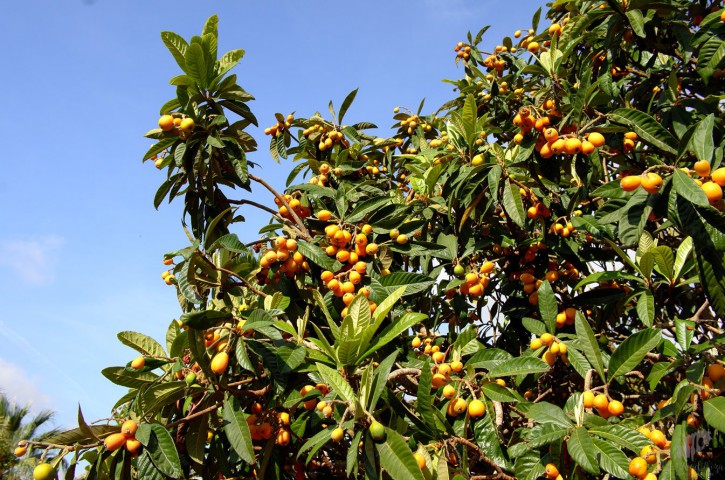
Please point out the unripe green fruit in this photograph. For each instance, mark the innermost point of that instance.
(190, 379)
(459, 271)
(377, 431)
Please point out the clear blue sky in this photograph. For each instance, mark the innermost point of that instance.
(80, 242)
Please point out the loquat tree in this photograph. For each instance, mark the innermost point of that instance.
(527, 282)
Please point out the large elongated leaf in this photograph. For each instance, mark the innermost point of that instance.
(710, 56)
(625, 437)
(177, 46)
(648, 129)
(581, 448)
(518, 366)
(714, 410)
(316, 255)
(712, 275)
(588, 343)
(632, 351)
(397, 459)
(548, 306)
(142, 343)
(161, 448)
(678, 451)
(611, 459)
(394, 331)
(237, 430)
(413, 282)
(196, 64)
(131, 379)
(337, 383)
(544, 412)
(512, 204)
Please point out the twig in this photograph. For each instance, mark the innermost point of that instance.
(303, 229)
(236, 275)
(482, 456)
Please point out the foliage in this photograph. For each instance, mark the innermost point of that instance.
(549, 242)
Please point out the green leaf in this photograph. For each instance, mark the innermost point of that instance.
(196, 64)
(625, 437)
(497, 393)
(678, 451)
(121, 376)
(161, 448)
(518, 366)
(714, 410)
(701, 142)
(142, 343)
(513, 205)
(646, 307)
(581, 448)
(589, 344)
(545, 433)
(548, 306)
(534, 326)
(413, 282)
(611, 459)
(346, 104)
(646, 127)
(636, 20)
(683, 253)
(712, 276)
(237, 430)
(665, 260)
(177, 46)
(709, 57)
(632, 351)
(337, 383)
(392, 332)
(203, 319)
(316, 255)
(76, 435)
(544, 412)
(397, 459)
(424, 405)
(371, 205)
(687, 188)
(229, 60)
(529, 466)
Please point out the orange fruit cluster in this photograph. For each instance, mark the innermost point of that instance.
(604, 407)
(284, 251)
(126, 437)
(303, 211)
(556, 348)
(325, 137)
(265, 424)
(278, 128)
(177, 123)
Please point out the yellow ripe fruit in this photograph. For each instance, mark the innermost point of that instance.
(457, 366)
(138, 363)
(449, 391)
(416, 342)
(713, 191)
(187, 125)
(133, 446)
(439, 380)
(439, 357)
(129, 428)
(20, 450)
(401, 239)
(596, 139)
(615, 407)
(44, 471)
(551, 135)
(651, 182)
(718, 176)
(371, 248)
(459, 405)
(552, 276)
(367, 229)
(220, 362)
(601, 402)
(588, 399)
(715, 372)
(554, 29)
(324, 215)
(536, 344)
(444, 369)
(551, 471)
(337, 435)
(630, 136)
(559, 146)
(394, 233)
(702, 168)
(283, 418)
(572, 146)
(476, 408)
(114, 441)
(658, 438)
(533, 47)
(477, 160)
(420, 459)
(587, 147)
(638, 467)
(549, 357)
(554, 349)
(166, 123)
(652, 476)
(547, 339)
(649, 453)
(630, 182)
